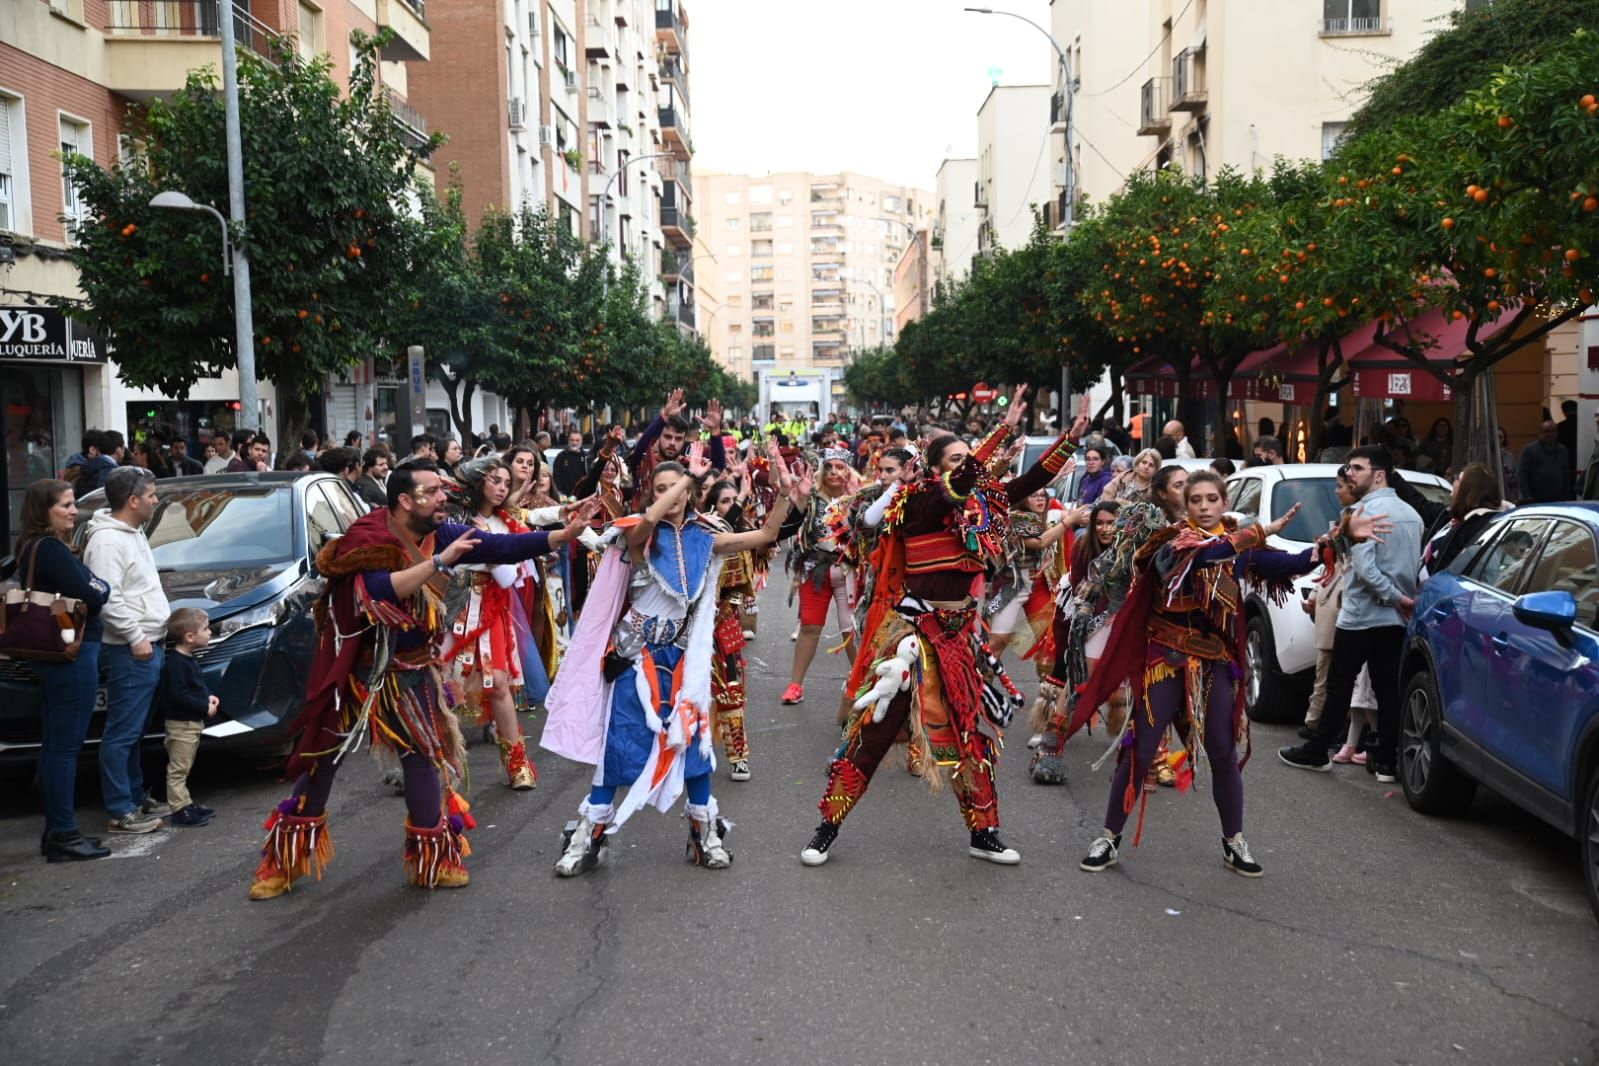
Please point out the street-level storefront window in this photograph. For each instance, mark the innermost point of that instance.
(43, 410)
(193, 421)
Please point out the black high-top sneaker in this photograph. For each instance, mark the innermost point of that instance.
(815, 852)
(987, 845)
(1104, 853)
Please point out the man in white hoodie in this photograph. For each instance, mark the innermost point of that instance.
(135, 620)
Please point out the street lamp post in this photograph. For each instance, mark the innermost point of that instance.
(605, 195)
(1068, 209)
(243, 317)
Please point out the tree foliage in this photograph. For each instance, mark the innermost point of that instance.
(1475, 42)
(329, 232)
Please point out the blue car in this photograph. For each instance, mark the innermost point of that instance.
(1501, 675)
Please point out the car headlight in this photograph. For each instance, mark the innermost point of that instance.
(268, 614)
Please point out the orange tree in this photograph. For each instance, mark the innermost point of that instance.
(1487, 211)
(331, 242)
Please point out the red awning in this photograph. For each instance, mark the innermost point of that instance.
(1383, 374)
(1156, 377)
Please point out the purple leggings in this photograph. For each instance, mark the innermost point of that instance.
(1221, 747)
(424, 800)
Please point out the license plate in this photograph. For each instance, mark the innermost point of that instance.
(100, 701)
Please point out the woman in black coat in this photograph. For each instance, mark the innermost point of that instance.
(68, 689)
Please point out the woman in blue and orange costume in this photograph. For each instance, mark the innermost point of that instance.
(635, 695)
(488, 630)
(1178, 642)
(923, 662)
(377, 676)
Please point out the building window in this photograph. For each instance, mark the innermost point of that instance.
(896, 205)
(785, 326)
(764, 353)
(761, 301)
(13, 162)
(1351, 16)
(75, 140)
(785, 248)
(733, 198)
(1332, 138)
(735, 354)
(760, 222)
(761, 273)
(735, 300)
(735, 276)
(761, 249)
(760, 194)
(765, 329)
(734, 250)
(785, 222)
(735, 223)
(308, 41)
(785, 196)
(561, 46)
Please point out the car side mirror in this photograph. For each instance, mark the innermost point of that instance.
(1552, 611)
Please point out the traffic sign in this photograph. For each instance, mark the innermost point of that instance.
(982, 392)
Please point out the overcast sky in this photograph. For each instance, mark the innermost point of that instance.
(884, 87)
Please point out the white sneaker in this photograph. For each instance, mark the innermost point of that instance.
(705, 845)
(749, 634)
(585, 849)
(741, 770)
(1034, 741)
(794, 635)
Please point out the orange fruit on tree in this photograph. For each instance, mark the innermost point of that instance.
(1588, 100)
(1449, 223)
(1591, 204)
(1572, 255)
(1490, 272)
(1481, 196)
(1505, 122)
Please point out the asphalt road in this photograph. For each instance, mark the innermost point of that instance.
(1377, 936)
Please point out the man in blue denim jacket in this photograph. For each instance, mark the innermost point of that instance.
(1378, 598)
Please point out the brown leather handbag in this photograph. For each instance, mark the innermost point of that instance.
(43, 627)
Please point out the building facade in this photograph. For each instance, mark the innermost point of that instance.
(1013, 172)
(912, 281)
(805, 264)
(578, 107)
(953, 241)
(69, 71)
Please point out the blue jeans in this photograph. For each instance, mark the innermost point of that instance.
(130, 691)
(68, 690)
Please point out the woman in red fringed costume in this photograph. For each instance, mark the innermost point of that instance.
(923, 662)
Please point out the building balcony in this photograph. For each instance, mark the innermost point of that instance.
(1154, 108)
(1374, 26)
(677, 266)
(601, 111)
(150, 48)
(828, 351)
(671, 31)
(412, 124)
(599, 39)
(674, 135)
(677, 225)
(1188, 92)
(673, 70)
(405, 18)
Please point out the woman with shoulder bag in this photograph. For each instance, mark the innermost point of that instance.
(45, 561)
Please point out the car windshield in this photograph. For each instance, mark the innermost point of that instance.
(1320, 509)
(204, 527)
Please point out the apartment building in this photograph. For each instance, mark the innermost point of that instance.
(953, 241)
(576, 106)
(1204, 84)
(913, 293)
(806, 264)
(69, 71)
(1013, 169)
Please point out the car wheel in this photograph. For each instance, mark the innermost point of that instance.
(1268, 697)
(1588, 838)
(1433, 784)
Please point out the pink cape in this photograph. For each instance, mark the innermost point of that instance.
(576, 705)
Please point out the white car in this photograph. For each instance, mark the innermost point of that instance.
(1280, 641)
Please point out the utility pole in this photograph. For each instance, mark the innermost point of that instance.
(243, 316)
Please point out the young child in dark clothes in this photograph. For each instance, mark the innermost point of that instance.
(186, 704)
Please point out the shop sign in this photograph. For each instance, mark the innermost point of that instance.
(46, 335)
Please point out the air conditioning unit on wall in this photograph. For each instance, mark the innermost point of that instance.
(517, 118)
(546, 136)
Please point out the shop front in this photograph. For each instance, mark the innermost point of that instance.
(43, 360)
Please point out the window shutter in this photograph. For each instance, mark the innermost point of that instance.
(5, 136)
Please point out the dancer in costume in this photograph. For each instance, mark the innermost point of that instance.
(922, 660)
(1016, 595)
(1178, 641)
(734, 596)
(635, 696)
(814, 561)
(1101, 576)
(376, 676)
(866, 510)
(490, 639)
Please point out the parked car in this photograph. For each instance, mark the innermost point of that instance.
(1280, 640)
(243, 547)
(1501, 676)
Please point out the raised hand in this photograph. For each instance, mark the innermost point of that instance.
(1362, 526)
(713, 417)
(1081, 422)
(1271, 529)
(673, 404)
(801, 487)
(699, 462)
(1013, 415)
(458, 547)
